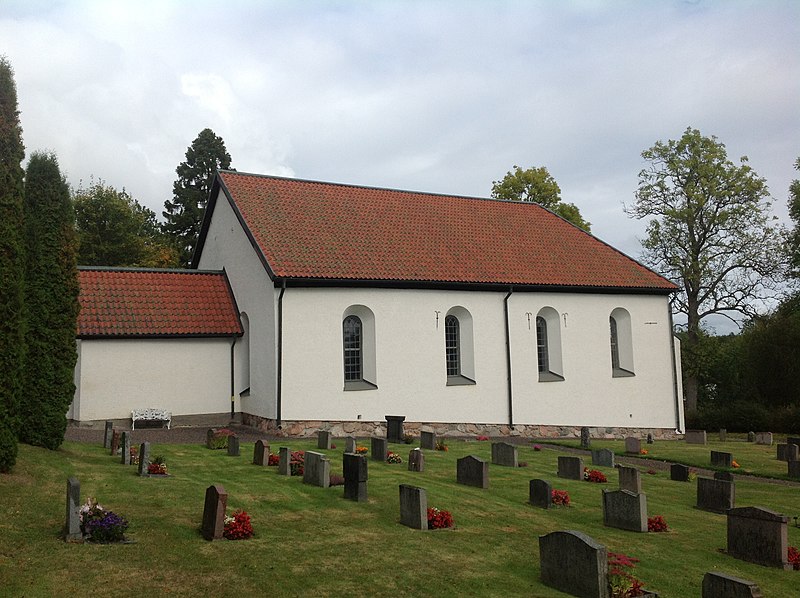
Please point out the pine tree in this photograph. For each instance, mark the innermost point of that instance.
(12, 336)
(184, 213)
(51, 293)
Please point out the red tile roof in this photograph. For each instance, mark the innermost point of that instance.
(314, 230)
(155, 303)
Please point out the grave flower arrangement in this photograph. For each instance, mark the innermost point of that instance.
(238, 526)
(441, 446)
(621, 583)
(735, 464)
(560, 498)
(537, 447)
(297, 462)
(657, 524)
(643, 452)
(101, 525)
(273, 460)
(593, 475)
(439, 518)
(393, 457)
(361, 450)
(336, 480)
(482, 438)
(218, 439)
(134, 455)
(794, 558)
(158, 466)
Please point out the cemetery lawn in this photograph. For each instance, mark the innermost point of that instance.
(310, 541)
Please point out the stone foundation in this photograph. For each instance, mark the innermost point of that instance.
(366, 429)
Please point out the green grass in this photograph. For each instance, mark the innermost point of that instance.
(310, 541)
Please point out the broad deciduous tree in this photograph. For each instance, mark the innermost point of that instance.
(51, 302)
(794, 235)
(183, 215)
(537, 185)
(711, 231)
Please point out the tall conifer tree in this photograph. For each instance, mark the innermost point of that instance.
(12, 152)
(51, 292)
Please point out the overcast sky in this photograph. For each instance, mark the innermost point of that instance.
(425, 96)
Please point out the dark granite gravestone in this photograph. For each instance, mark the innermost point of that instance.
(723, 435)
(540, 494)
(504, 454)
(570, 468)
(125, 445)
(695, 437)
(355, 477)
(758, 535)
(633, 446)
(793, 440)
(261, 453)
(233, 446)
(472, 471)
(586, 439)
(630, 479)
(679, 473)
(717, 496)
(214, 512)
(416, 460)
(721, 459)
(722, 585)
(781, 451)
(413, 507)
(349, 445)
(650, 439)
(427, 440)
(210, 438)
(793, 469)
(725, 476)
(115, 437)
(792, 452)
(109, 431)
(323, 440)
(144, 458)
(72, 521)
(603, 457)
(317, 470)
(574, 563)
(625, 510)
(284, 461)
(378, 449)
(394, 428)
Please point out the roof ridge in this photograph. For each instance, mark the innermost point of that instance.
(147, 270)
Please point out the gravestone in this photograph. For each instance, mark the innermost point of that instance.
(472, 471)
(764, 438)
(625, 510)
(650, 439)
(427, 440)
(721, 459)
(261, 453)
(679, 473)
(603, 457)
(722, 585)
(793, 469)
(504, 454)
(758, 535)
(792, 452)
(751, 437)
(349, 445)
(540, 494)
(718, 496)
(317, 470)
(115, 436)
(394, 428)
(125, 445)
(781, 451)
(284, 461)
(793, 440)
(570, 468)
(630, 479)
(413, 507)
(210, 438)
(586, 440)
(323, 440)
(214, 512)
(633, 446)
(233, 446)
(723, 435)
(378, 448)
(144, 458)
(725, 476)
(355, 477)
(109, 430)
(695, 437)
(72, 521)
(416, 460)
(574, 563)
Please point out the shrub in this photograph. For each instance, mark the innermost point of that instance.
(438, 518)
(238, 526)
(560, 498)
(408, 439)
(657, 524)
(593, 475)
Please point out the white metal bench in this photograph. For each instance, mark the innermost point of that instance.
(139, 415)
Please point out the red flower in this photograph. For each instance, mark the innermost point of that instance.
(438, 518)
(593, 475)
(238, 527)
(560, 498)
(657, 524)
(273, 459)
(794, 558)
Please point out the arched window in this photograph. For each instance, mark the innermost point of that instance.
(621, 342)
(459, 347)
(353, 359)
(451, 345)
(358, 348)
(541, 344)
(614, 343)
(548, 345)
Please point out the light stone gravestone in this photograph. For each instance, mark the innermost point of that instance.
(630, 479)
(722, 585)
(751, 437)
(723, 435)
(764, 438)
(109, 431)
(349, 445)
(72, 522)
(324, 440)
(413, 507)
(758, 535)
(125, 444)
(144, 458)
(472, 471)
(793, 469)
(284, 461)
(378, 448)
(355, 477)
(574, 563)
(416, 460)
(633, 446)
(721, 459)
(427, 440)
(625, 510)
(317, 470)
(214, 512)
(504, 454)
(679, 472)
(115, 437)
(586, 439)
(570, 468)
(725, 476)
(261, 453)
(695, 437)
(394, 428)
(717, 496)
(540, 494)
(233, 446)
(603, 457)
